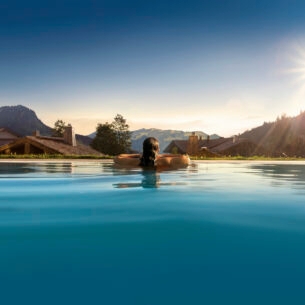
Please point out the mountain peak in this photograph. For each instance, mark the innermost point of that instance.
(22, 120)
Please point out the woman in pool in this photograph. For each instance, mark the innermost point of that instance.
(151, 157)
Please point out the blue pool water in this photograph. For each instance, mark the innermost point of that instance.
(213, 233)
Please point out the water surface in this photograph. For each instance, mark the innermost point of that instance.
(213, 233)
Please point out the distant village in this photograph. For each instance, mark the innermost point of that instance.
(10, 143)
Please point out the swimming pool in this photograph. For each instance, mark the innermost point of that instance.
(80, 232)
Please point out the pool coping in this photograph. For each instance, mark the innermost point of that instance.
(108, 160)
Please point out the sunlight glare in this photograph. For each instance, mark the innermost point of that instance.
(296, 69)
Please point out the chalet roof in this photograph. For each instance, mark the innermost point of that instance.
(230, 142)
(214, 145)
(7, 134)
(181, 144)
(64, 148)
(53, 145)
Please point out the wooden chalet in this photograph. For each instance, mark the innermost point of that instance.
(196, 146)
(37, 144)
(6, 136)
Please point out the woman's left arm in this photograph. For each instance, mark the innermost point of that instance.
(127, 159)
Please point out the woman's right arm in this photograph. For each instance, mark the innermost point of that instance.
(174, 161)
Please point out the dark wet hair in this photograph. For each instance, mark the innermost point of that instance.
(150, 152)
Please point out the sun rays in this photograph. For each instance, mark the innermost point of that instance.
(293, 66)
(298, 62)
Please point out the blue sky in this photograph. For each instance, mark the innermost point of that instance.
(216, 66)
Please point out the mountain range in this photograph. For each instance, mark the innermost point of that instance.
(164, 136)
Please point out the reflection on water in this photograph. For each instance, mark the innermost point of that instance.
(146, 178)
(150, 179)
(54, 169)
(292, 174)
(278, 174)
(15, 168)
(26, 168)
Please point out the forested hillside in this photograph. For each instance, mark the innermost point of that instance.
(285, 136)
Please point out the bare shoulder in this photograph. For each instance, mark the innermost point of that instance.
(172, 160)
(127, 159)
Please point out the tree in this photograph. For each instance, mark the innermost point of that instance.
(114, 138)
(105, 139)
(59, 128)
(123, 135)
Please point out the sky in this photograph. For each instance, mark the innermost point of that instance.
(219, 66)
